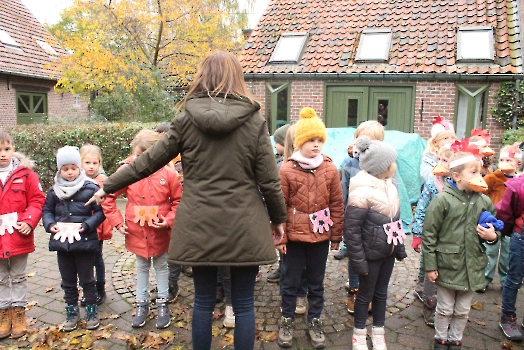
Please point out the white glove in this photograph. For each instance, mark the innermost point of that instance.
(74, 236)
(8, 222)
(61, 235)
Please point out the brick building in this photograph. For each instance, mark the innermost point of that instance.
(27, 79)
(401, 62)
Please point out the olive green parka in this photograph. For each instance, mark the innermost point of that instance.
(450, 243)
(229, 171)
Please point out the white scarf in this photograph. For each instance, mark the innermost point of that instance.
(66, 189)
(307, 163)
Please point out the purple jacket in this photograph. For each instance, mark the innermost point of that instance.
(511, 208)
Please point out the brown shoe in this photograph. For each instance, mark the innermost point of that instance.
(19, 327)
(5, 322)
(352, 297)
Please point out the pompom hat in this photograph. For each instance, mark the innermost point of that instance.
(308, 127)
(280, 134)
(68, 155)
(375, 156)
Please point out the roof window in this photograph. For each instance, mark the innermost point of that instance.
(374, 45)
(289, 47)
(8, 41)
(475, 43)
(46, 47)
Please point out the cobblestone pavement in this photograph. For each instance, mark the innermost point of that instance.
(405, 328)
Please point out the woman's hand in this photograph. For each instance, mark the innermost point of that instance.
(99, 197)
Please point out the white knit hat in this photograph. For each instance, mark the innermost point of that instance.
(68, 155)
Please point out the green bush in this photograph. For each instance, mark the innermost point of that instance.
(40, 143)
(511, 136)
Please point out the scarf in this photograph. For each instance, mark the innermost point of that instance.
(66, 189)
(307, 163)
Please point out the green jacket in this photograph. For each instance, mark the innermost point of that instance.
(450, 243)
(229, 171)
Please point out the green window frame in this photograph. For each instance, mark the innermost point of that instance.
(31, 107)
(279, 113)
(471, 105)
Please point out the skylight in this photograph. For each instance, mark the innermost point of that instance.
(289, 47)
(475, 43)
(46, 47)
(374, 45)
(8, 41)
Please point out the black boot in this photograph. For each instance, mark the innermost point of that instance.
(100, 288)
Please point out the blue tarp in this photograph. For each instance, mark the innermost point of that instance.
(409, 148)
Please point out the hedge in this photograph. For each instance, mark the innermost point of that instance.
(511, 136)
(40, 143)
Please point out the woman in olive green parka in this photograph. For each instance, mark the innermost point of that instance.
(222, 219)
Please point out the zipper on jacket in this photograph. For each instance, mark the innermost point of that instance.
(294, 212)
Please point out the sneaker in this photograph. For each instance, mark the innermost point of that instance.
(346, 285)
(274, 277)
(378, 339)
(455, 345)
(318, 340)
(259, 276)
(359, 339)
(341, 253)
(508, 324)
(229, 319)
(301, 307)
(440, 344)
(92, 319)
(163, 319)
(83, 301)
(285, 332)
(352, 297)
(72, 317)
(173, 293)
(429, 311)
(141, 312)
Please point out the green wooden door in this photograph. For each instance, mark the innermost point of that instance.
(393, 107)
(346, 106)
(31, 107)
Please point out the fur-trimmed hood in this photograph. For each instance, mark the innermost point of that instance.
(20, 159)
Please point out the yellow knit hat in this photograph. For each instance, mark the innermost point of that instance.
(308, 127)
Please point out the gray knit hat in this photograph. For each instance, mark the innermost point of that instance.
(68, 155)
(375, 156)
(280, 134)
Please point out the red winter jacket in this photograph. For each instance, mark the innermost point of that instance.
(511, 208)
(105, 230)
(23, 194)
(161, 188)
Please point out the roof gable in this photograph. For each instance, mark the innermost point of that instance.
(424, 35)
(25, 29)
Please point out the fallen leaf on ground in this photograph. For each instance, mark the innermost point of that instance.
(31, 274)
(477, 305)
(31, 304)
(267, 336)
(217, 314)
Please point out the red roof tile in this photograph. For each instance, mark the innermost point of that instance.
(423, 35)
(25, 29)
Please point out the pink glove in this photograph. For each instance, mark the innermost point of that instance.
(416, 242)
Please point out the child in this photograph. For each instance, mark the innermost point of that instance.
(75, 247)
(452, 249)
(375, 131)
(510, 160)
(481, 139)
(92, 164)
(371, 219)
(442, 133)
(313, 196)
(429, 191)
(510, 210)
(150, 212)
(22, 200)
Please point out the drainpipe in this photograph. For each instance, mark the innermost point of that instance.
(517, 83)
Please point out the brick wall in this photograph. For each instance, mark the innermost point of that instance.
(60, 106)
(438, 97)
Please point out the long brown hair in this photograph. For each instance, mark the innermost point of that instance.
(220, 72)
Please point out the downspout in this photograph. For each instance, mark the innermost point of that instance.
(513, 17)
(517, 83)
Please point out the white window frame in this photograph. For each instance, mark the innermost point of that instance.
(46, 47)
(76, 101)
(277, 57)
(466, 44)
(367, 34)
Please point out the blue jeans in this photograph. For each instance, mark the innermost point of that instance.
(302, 290)
(353, 276)
(142, 276)
(242, 295)
(100, 267)
(513, 280)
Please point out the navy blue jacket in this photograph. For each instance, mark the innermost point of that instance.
(73, 210)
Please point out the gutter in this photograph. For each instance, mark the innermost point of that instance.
(27, 75)
(385, 76)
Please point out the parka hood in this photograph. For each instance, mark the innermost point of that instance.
(22, 160)
(218, 115)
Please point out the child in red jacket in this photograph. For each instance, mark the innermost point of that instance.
(149, 216)
(21, 202)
